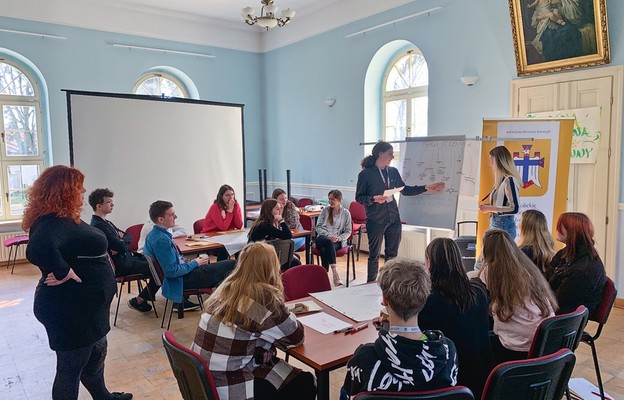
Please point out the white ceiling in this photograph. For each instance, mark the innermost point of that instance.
(206, 22)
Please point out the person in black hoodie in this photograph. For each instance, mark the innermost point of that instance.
(403, 358)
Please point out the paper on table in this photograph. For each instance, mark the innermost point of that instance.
(585, 389)
(323, 322)
(360, 302)
(391, 192)
(232, 243)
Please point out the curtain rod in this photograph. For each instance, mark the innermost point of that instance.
(186, 53)
(42, 35)
(372, 28)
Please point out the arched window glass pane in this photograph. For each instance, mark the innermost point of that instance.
(158, 85)
(13, 82)
(408, 72)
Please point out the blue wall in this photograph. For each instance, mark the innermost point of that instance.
(87, 61)
(463, 36)
(287, 124)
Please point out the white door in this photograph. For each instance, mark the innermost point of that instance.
(593, 188)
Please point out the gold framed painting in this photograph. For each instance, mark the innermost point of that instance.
(557, 35)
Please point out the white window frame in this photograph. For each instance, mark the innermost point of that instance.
(174, 79)
(402, 94)
(6, 161)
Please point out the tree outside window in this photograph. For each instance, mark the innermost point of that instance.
(21, 157)
(158, 84)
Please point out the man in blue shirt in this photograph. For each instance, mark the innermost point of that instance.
(179, 273)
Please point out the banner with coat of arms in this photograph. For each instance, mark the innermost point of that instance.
(541, 152)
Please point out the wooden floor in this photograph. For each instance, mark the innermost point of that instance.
(136, 360)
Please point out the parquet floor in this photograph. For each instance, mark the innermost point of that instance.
(136, 360)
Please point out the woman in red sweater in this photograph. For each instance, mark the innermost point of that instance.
(224, 215)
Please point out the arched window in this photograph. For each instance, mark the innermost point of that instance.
(405, 96)
(160, 84)
(21, 150)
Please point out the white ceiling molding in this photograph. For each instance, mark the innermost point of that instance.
(171, 21)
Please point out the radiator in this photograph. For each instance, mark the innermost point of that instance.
(4, 251)
(413, 242)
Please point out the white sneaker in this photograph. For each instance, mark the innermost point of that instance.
(336, 277)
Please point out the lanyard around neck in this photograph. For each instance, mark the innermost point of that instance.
(385, 178)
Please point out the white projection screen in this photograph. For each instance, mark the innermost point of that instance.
(146, 149)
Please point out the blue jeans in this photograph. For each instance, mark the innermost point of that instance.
(84, 365)
(299, 242)
(504, 222)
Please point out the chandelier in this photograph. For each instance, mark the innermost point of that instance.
(267, 18)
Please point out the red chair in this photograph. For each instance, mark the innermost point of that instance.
(304, 201)
(609, 294)
(542, 378)
(306, 222)
(190, 370)
(16, 242)
(358, 216)
(347, 250)
(449, 393)
(135, 231)
(159, 276)
(302, 280)
(198, 226)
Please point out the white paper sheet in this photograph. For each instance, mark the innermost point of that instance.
(233, 243)
(323, 322)
(391, 192)
(360, 302)
(585, 389)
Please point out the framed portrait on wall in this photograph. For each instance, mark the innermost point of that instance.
(556, 35)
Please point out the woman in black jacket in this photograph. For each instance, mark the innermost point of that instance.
(459, 308)
(77, 284)
(382, 213)
(576, 275)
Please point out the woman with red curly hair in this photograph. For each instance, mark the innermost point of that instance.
(77, 284)
(576, 274)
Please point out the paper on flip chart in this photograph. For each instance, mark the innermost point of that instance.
(323, 322)
(233, 243)
(360, 302)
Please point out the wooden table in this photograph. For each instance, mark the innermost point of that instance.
(185, 249)
(326, 353)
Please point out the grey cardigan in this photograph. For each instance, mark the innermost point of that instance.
(344, 228)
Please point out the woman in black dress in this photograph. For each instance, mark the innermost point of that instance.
(77, 283)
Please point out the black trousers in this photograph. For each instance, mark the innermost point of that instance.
(208, 275)
(377, 233)
(503, 354)
(140, 266)
(327, 249)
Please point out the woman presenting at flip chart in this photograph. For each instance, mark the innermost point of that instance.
(382, 214)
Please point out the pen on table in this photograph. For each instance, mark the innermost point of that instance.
(345, 329)
(357, 329)
(606, 397)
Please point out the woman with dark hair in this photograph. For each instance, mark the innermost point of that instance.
(535, 239)
(290, 212)
(333, 229)
(224, 215)
(504, 204)
(520, 298)
(459, 308)
(576, 274)
(77, 284)
(382, 214)
(271, 225)
(249, 307)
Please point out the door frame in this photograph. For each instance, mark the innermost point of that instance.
(616, 73)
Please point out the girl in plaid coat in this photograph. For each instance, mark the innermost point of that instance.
(244, 322)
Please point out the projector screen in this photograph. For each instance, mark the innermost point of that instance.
(146, 149)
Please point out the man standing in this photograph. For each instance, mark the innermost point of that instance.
(179, 273)
(126, 262)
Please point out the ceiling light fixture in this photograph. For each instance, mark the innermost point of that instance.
(267, 18)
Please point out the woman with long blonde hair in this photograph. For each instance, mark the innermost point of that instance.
(520, 297)
(249, 306)
(535, 239)
(504, 204)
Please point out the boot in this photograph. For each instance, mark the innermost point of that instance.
(336, 276)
